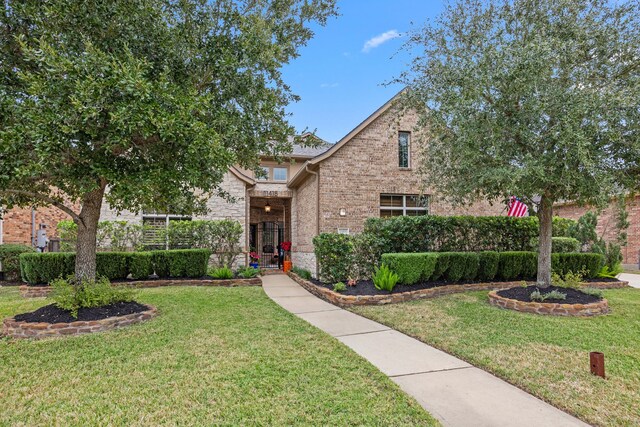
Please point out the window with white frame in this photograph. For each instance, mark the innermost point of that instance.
(279, 174)
(403, 205)
(404, 141)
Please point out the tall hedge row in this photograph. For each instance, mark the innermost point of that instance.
(431, 233)
(41, 268)
(485, 266)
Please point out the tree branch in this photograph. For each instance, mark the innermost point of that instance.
(47, 199)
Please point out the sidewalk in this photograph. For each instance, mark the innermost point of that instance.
(453, 391)
(633, 279)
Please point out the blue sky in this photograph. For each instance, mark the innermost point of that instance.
(339, 75)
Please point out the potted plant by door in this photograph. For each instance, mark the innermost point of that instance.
(254, 260)
(286, 265)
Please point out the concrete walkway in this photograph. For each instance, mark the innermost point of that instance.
(453, 391)
(633, 279)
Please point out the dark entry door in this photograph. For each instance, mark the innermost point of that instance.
(269, 236)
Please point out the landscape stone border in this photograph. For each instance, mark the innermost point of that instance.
(38, 330)
(551, 308)
(350, 300)
(42, 291)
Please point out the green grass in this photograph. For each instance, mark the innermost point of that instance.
(547, 356)
(223, 356)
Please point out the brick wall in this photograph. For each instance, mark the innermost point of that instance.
(17, 223)
(304, 224)
(606, 223)
(354, 176)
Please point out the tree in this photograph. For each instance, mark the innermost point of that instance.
(530, 98)
(144, 103)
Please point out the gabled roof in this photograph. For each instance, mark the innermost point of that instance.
(241, 176)
(303, 172)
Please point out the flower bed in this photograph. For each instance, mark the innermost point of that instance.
(595, 308)
(28, 291)
(433, 290)
(25, 329)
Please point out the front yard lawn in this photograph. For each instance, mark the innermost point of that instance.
(223, 356)
(546, 356)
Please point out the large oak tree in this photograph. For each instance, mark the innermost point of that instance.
(531, 98)
(144, 103)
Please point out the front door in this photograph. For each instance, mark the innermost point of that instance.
(269, 236)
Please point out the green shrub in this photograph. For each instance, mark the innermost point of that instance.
(181, 262)
(488, 268)
(411, 268)
(517, 265)
(565, 245)
(221, 273)
(140, 265)
(339, 287)
(588, 264)
(384, 279)
(305, 274)
(248, 273)
(116, 236)
(112, 265)
(334, 253)
(442, 265)
(41, 268)
(567, 280)
(540, 297)
(10, 259)
(367, 253)
(607, 273)
(87, 294)
(593, 292)
(462, 265)
(432, 233)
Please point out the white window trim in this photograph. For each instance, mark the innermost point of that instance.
(343, 231)
(273, 173)
(404, 207)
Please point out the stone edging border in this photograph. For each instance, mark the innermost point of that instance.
(38, 330)
(27, 291)
(554, 309)
(349, 300)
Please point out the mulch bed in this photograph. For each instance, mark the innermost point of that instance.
(52, 314)
(574, 296)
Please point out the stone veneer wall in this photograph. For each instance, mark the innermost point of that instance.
(218, 207)
(606, 224)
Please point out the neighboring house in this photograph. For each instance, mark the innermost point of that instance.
(606, 225)
(19, 225)
(370, 172)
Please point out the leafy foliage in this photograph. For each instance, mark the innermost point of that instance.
(117, 236)
(339, 287)
(153, 100)
(565, 245)
(519, 102)
(221, 273)
(10, 259)
(248, 273)
(140, 265)
(588, 264)
(411, 268)
(38, 268)
(517, 265)
(113, 265)
(607, 273)
(334, 253)
(384, 278)
(72, 296)
(305, 274)
(568, 280)
(181, 262)
(488, 268)
(551, 295)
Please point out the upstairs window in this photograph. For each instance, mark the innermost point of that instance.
(279, 174)
(265, 176)
(404, 140)
(403, 205)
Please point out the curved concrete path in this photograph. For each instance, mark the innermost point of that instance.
(633, 279)
(452, 390)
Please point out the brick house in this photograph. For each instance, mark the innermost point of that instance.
(19, 225)
(330, 188)
(606, 221)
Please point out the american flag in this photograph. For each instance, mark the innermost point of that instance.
(516, 207)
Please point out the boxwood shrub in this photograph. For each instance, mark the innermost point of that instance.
(41, 268)
(181, 262)
(140, 265)
(565, 245)
(334, 253)
(588, 264)
(411, 268)
(113, 265)
(517, 265)
(488, 268)
(10, 259)
(461, 265)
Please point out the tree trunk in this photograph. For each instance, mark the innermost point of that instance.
(87, 230)
(545, 216)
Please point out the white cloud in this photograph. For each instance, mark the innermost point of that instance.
(379, 39)
(329, 85)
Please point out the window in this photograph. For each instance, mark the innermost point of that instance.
(155, 224)
(403, 149)
(266, 176)
(279, 174)
(403, 205)
(343, 231)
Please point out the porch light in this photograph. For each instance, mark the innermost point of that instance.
(267, 208)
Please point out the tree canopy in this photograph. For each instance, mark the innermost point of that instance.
(530, 98)
(150, 99)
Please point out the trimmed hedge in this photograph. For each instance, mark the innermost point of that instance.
(40, 268)
(10, 259)
(432, 233)
(485, 266)
(335, 256)
(565, 245)
(411, 268)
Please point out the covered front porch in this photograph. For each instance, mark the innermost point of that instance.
(269, 227)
